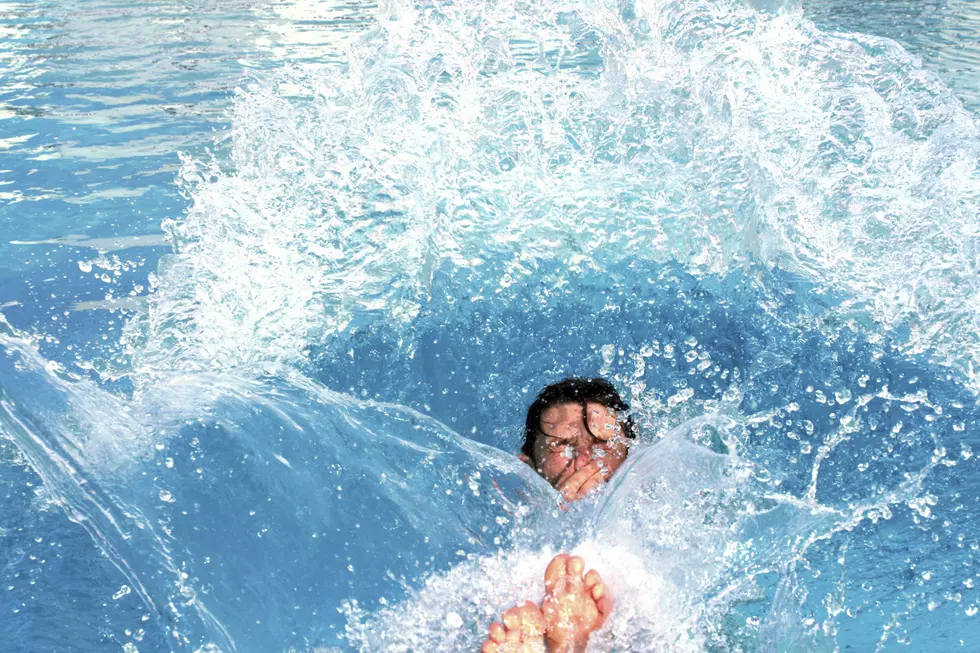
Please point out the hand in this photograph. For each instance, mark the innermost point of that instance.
(582, 481)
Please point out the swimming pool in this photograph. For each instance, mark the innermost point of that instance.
(273, 275)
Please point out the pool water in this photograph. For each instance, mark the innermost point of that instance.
(279, 280)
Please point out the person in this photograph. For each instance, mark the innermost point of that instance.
(577, 434)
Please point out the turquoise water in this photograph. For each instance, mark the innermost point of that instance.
(279, 280)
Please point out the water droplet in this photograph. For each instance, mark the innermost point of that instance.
(680, 397)
(453, 620)
(608, 356)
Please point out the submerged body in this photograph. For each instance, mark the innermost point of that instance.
(576, 436)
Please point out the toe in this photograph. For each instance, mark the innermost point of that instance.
(532, 621)
(555, 572)
(512, 620)
(576, 566)
(605, 605)
(498, 633)
(592, 579)
(598, 591)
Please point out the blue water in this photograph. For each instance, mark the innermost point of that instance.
(278, 282)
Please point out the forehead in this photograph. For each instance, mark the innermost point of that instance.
(569, 411)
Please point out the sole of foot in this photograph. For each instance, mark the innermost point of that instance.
(575, 604)
(520, 630)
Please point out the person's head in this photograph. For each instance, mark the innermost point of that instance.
(574, 423)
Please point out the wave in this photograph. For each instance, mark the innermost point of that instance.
(484, 140)
(240, 509)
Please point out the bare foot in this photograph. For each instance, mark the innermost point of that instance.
(574, 606)
(522, 631)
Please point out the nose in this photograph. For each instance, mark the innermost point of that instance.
(583, 455)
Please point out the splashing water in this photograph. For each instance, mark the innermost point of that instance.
(211, 492)
(766, 234)
(486, 139)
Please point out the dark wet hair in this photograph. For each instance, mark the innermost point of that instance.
(574, 391)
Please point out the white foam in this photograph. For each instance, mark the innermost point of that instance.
(489, 137)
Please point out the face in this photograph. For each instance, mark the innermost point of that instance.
(564, 446)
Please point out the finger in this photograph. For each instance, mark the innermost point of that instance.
(604, 466)
(575, 481)
(601, 463)
(585, 470)
(555, 572)
(490, 647)
(591, 579)
(567, 473)
(574, 492)
(575, 566)
(497, 632)
(593, 482)
(601, 475)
